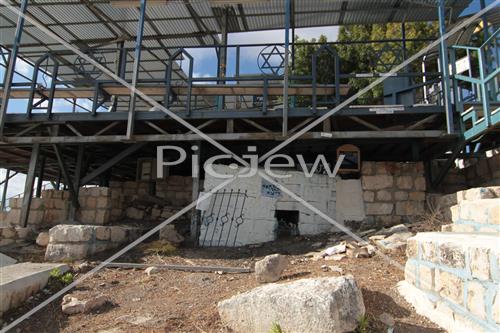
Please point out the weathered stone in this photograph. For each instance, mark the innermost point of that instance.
(404, 182)
(427, 277)
(395, 242)
(409, 208)
(367, 168)
(411, 248)
(429, 252)
(68, 251)
(450, 286)
(496, 307)
(480, 263)
(420, 184)
(118, 234)
(9, 232)
(270, 268)
(463, 228)
(71, 305)
(410, 272)
(400, 195)
(452, 255)
(384, 195)
(102, 233)
(169, 234)
(320, 305)
(134, 213)
(417, 196)
(378, 182)
(368, 196)
(475, 299)
(42, 239)
(379, 208)
(64, 233)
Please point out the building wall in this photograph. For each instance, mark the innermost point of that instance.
(393, 192)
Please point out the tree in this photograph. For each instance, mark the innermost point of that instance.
(365, 57)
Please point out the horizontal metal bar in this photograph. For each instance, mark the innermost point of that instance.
(185, 268)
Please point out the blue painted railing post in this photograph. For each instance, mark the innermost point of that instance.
(445, 68)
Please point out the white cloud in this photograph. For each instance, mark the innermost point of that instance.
(22, 67)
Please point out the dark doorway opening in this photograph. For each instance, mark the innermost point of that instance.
(288, 223)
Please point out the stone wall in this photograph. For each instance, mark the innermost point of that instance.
(453, 279)
(13, 235)
(81, 241)
(259, 222)
(393, 192)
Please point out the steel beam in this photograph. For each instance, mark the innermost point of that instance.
(136, 68)
(195, 215)
(111, 162)
(286, 70)
(9, 75)
(67, 179)
(28, 185)
(4, 191)
(41, 172)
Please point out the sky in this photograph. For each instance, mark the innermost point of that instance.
(205, 64)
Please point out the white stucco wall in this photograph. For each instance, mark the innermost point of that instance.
(259, 211)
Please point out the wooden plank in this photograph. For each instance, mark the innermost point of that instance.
(200, 90)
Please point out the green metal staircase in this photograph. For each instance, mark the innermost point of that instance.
(476, 83)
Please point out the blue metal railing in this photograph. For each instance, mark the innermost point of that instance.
(480, 109)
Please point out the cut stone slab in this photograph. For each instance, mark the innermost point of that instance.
(6, 260)
(395, 242)
(20, 281)
(322, 305)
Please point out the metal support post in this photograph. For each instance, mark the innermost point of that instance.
(41, 172)
(287, 69)
(195, 214)
(4, 192)
(28, 184)
(9, 75)
(135, 75)
(445, 68)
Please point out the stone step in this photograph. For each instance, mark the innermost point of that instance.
(478, 193)
(20, 281)
(483, 211)
(454, 280)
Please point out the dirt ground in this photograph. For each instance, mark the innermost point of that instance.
(174, 301)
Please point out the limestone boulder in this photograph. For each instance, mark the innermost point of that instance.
(321, 305)
(42, 239)
(270, 268)
(169, 234)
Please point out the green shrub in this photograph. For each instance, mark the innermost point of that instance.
(276, 328)
(57, 275)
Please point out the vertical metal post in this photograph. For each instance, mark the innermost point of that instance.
(135, 75)
(9, 75)
(28, 184)
(41, 172)
(222, 59)
(482, 5)
(445, 68)
(195, 218)
(4, 192)
(121, 62)
(287, 56)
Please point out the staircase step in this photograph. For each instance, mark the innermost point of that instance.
(483, 211)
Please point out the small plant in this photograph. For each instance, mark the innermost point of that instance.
(57, 275)
(363, 325)
(160, 248)
(276, 328)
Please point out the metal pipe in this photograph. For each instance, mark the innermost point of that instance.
(445, 68)
(9, 75)
(286, 70)
(135, 75)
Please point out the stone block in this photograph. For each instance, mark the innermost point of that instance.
(382, 168)
(378, 182)
(367, 168)
(9, 232)
(60, 204)
(450, 286)
(404, 182)
(24, 233)
(65, 233)
(384, 195)
(480, 262)
(417, 196)
(35, 217)
(368, 196)
(463, 228)
(36, 203)
(400, 195)
(447, 228)
(452, 255)
(6, 241)
(102, 216)
(87, 215)
(412, 249)
(102, 233)
(429, 251)
(475, 299)
(60, 252)
(91, 203)
(379, 208)
(496, 307)
(411, 273)
(410, 208)
(420, 184)
(426, 277)
(118, 234)
(103, 202)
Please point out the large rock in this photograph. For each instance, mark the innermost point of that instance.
(169, 234)
(270, 268)
(42, 239)
(323, 305)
